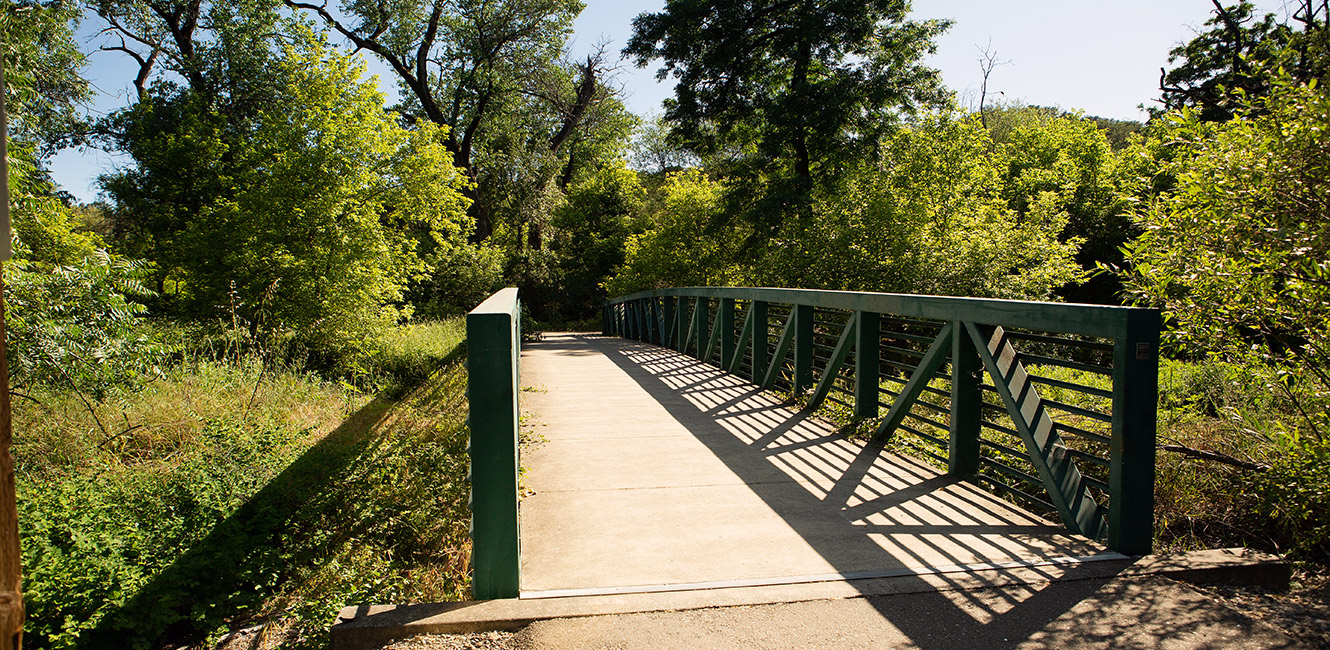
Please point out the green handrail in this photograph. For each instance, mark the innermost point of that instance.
(494, 337)
(974, 338)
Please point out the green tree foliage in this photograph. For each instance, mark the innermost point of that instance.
(1230, 59)
(316, 221)
(1236, 254)
(931, 218)
(805, 87)
(1068, 160)
(42, 63)
(681, 247)
(494, 74)
(591, 231)
(71, 313)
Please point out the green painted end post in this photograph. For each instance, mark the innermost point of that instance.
(1132, 461)
(966, 404)
(803, 347)
(605, 319)
(493, 333)
(761, 334)
(727, 341)
(867, 370)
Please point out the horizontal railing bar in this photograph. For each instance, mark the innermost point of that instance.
(1004, 468)
(1089, 390)
(1053, 340)
(1010, 451)
(1076, 410)
(907, 351)
(999, 428)
(1035, 359)
(890, 318)
(1103, 321)
(888, 334)
(911, 414)
(1087, 456)
(927, 436)
(1083, 433)
(1029, 499)
(1062, 406)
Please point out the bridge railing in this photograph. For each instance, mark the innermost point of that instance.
(494, 338)
(1052, 404)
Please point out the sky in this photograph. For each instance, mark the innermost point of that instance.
(1102, 58)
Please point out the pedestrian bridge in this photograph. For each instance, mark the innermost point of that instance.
(710, 438)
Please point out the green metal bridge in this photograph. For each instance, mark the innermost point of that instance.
(698, 441)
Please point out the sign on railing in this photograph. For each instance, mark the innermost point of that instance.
(493, 340)
(1052, 404)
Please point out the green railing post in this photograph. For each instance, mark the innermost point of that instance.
(726, 316)
(681, 324)
(493, 332)
(803, 348)
(867, 370)
(761, 323)
(1132, 458)
(966, 404)
(669, 338)
(653, 321)
(700, 320)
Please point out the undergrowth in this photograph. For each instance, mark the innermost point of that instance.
(231, 493)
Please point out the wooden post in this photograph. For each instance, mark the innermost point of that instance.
(11, 569)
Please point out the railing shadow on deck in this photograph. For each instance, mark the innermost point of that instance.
(703, 396)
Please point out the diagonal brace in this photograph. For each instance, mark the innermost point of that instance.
(933, 359)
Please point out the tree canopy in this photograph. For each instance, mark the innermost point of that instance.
(804, 86)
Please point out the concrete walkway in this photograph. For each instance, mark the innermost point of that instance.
(657, 472)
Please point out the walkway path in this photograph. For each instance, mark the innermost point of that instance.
(657, 472)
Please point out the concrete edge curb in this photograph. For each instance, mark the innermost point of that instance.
(365, 627)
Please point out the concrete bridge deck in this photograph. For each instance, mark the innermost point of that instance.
(656, 472)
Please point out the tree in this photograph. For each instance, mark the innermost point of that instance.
(42, 60)
(805, 87)
(929, 218)
(315, 222)
(1227, 61)
(678, 248)
(481, 68)
(1236, 254)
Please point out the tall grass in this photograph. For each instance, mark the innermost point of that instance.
(234, 494)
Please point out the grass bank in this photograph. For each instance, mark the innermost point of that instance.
(229, 496)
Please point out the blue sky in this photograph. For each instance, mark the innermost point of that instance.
(1099, 57)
